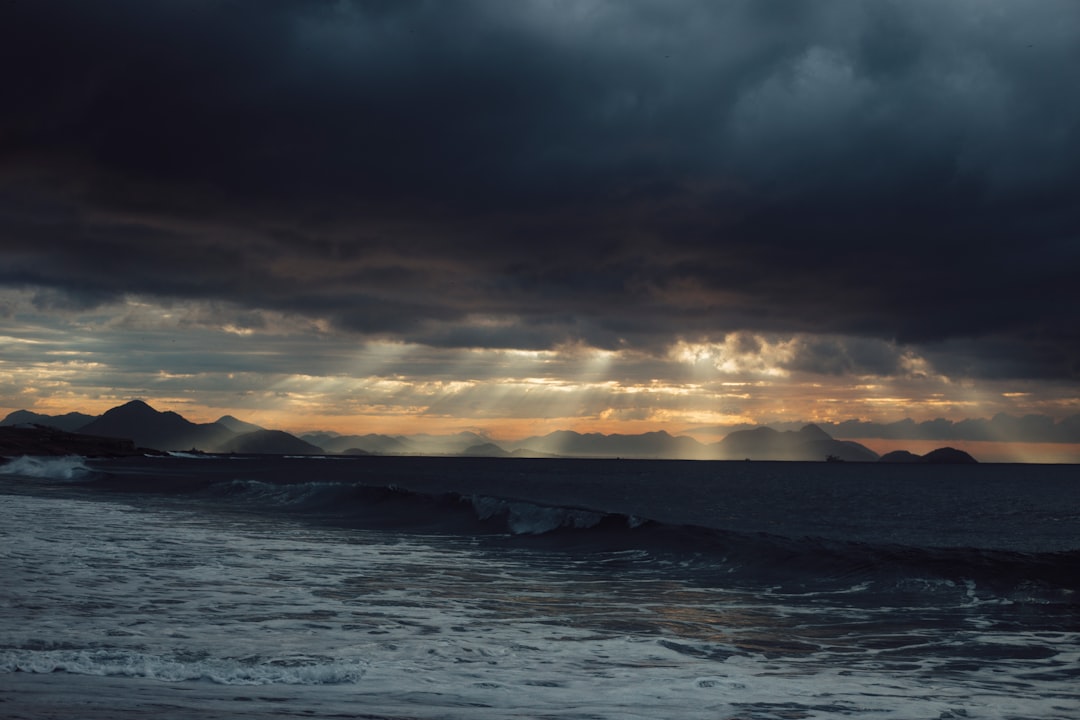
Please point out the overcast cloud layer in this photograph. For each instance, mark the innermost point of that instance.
(888, 177)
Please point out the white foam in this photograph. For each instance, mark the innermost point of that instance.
(71, 467)
(289, 670)
(405, 626)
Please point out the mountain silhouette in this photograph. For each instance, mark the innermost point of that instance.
(69, 422)
(900, 456)
(443, 444)
(485, 450)
(237, 426)
(658, 444)
(810, 443)
(370, 444)
(147, 427)
(269, 442)
(941, 456)
(949, 456)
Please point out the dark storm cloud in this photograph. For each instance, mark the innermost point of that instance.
(524, 174)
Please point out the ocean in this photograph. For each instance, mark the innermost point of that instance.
(409, 587)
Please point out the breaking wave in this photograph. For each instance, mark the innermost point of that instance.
(804, 564)
(69, 468)
(392, 506)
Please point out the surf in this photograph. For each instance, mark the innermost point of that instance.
(71, 468)
(790, 562)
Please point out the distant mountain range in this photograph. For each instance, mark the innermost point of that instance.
(150, 428)
(810, 443)
(1026, 428)
(69, 422)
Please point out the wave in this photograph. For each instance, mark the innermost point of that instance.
(70, 468)
(393, 506)
(250, 670)
(371, 496)
(526, 518)
(804, 564)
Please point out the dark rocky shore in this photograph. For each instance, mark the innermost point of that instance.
(42, 440)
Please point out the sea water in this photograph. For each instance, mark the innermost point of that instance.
(470, 588)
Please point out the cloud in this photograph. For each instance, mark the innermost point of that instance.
(526, 175)
(285, 370)
(1001, 427)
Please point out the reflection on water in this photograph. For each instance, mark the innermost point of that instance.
(340, 622)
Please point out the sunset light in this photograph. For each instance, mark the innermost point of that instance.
(489, 359)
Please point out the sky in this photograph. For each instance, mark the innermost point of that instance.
(515, 217)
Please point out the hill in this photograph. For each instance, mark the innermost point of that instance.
(148, 427)
(810, 443)
(659, 444)
(948, 456)
(941, 456)
(69, 422)
(485, 450)
(377, 444)
(370, 444)
(237, 426)
(443, 444)
(900, 456)
(269, 442)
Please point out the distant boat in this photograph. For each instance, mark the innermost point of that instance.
(833, 458)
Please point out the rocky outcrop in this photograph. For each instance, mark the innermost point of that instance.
(42, 440)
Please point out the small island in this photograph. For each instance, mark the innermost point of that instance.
(941, 456)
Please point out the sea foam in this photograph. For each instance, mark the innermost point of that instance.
(70, 468)
(253, 670)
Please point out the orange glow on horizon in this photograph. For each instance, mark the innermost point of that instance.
(300, 420)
